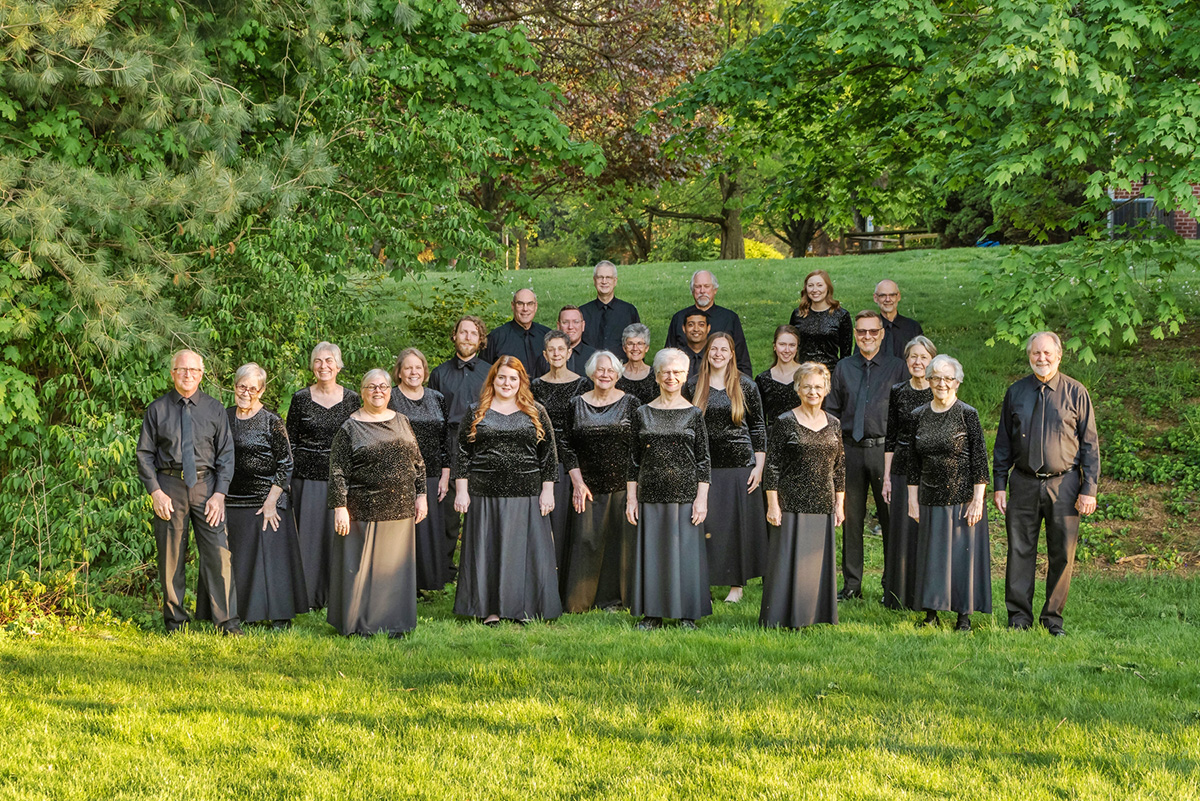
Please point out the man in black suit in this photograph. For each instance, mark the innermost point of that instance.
(520, 336)
(704, 292)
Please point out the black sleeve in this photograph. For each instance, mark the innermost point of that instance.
(420, 486)
(754, 416)
(703, 462)
(845, 335)
(740, 350)
(775, 440)
(281, 447)
(546, 448)
(635, 447)
(893, 421)
(566, 453)
(976, 447)
(462, 465)
(146, 449)
(1089, 445)
(913, 474)
(444, 453)
(339, 469)
(223, 454)
(836, 399)
(1002, 454)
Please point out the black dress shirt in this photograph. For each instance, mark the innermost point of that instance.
(719, 319)
(160, 444)
(898, 333)
(694, 361)
(605, 322)
(1069, 433)
(460, 383)
(848, 377)
(511, 339)
(575, 362)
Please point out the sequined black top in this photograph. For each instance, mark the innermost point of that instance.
(262, 458)
(898, 440)
(557, 399)
(825, 336)
(375, 469)
(427, 417)
(669, 456)
(645, 389)
(310, 427)
(730, 444)
(597, 439)
(807, 468)
(506, 460)
(777, 396)
(948, 454)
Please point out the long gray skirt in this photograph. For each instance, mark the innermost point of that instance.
(800, 583)
(435, 564)
(560, 522)
(954, 561)
(736, 528)
(373, 578)
(266, 568)
(314, 529)
(601, 555)
(670, 565)
(900, 578)
(506, 566)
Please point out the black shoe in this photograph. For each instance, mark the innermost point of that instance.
(963, 624)
(1056, 631)
(397, 635)
(281, 625)
(931, 619)
(846, 595)
(1020, 626)
(233, 631)
(649, 623)
(688, 624)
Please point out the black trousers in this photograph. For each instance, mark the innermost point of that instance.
(212, 544)
(864, 470)
(1030, 502)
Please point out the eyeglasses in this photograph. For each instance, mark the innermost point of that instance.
(887, 295)
(376, 387)
(867, 332)
(242, 389)
(941, 379)
(194, 370)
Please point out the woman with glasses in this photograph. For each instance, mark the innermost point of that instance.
(264, 553)
(314, 416)
(825, 328)
(947, 479)
(377, 491)
(637, 379)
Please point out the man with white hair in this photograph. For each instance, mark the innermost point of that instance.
(1047, 468)
(704, 292)
(606, 317)
(185, 461)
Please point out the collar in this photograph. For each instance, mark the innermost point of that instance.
(1051, 385)
(176, 397)
(465, 365)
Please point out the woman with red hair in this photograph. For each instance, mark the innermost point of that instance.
(825, 328)
(504, 484)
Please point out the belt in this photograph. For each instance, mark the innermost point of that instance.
(1045, 476)
(200, 473)
(870, 442)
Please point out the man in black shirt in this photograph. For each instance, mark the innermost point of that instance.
(898, 330)
(607, 316)
(696, 330)
(704, 292)
(520, 336)
(570, 322)
(185, 461)
(460, 379)
(1047, 439)
(861, 387)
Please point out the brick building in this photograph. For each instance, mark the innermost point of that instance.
(1180, 221)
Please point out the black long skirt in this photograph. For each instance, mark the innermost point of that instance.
(435, 565)
(266, 568)
(601, 555)
(736, 528)
(954, 561)
(800, 583)
(560, 523)
(506, 566)
(314, 529)
(670, 564)
(373, 578)
(900, 578)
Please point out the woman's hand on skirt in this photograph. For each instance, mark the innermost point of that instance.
(774, 514)
(546, 501)
(699, 511)
(422, 509)
(270, 516)
(341, 521)
(462, 502)
(580, 497)
(974, 512)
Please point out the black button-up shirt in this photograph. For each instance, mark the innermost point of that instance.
(694, 361)
(719, 319)
(605, 322)
(459, 382)
(511, 339)
(160, 446)
(1069, 436)
(898, 333)
(848, 376)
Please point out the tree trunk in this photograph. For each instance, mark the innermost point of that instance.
(800, 234)
(638, 239)
(733, 243)
(523, 250)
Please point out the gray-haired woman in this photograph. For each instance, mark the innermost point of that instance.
(314, 416)
(595, 448)
(947, 479)
(378, 494)
(264, 552)
(637, 378)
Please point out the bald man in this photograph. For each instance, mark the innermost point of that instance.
(898, 330)
(704, 293)
(520, 336)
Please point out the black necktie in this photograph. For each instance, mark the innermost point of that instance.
(188, 443)
(860, 404)
(603, 338)
(1037, 432)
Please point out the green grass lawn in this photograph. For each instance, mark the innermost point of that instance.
(589, 708)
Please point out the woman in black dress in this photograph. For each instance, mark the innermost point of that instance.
(735, 530)
(899, 585)
(554, 392)
(377, 493)
(504, 483)
(638, 378)
(947, 479)
(777, 384)
(826, 330)
(263, 550)
(426, 412)
(667, 500)
(595, 447)
(806, 491)
(314, 416)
